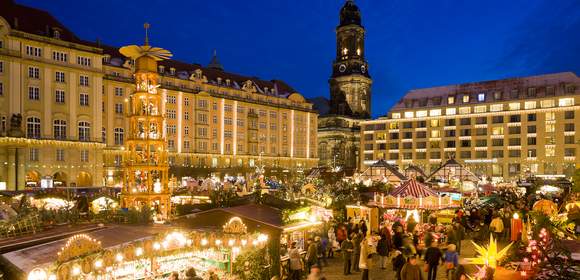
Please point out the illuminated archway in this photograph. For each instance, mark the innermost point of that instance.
(60, 179)
(84, 179)
(33, 179)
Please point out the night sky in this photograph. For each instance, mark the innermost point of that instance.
(410, 44)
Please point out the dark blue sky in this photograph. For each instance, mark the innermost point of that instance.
(410, 44)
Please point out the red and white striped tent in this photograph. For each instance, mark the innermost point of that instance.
(414, 189)
(412, 195)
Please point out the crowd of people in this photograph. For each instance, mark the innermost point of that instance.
(397, 245)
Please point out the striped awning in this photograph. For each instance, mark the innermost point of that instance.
(414, 189)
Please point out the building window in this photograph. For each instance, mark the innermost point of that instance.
(497, 154)
(34, 72)
(84, 81)
(569, 127)
(84, 131)
(119, 136)
(33, 127)
(450, 99)
(59, 129)
(1, 89)
(570, 152)
(497, 119)
(481, 97)
(60, 77)
(84, 155)
(84, 99)
(532, 153)
(118, 91)
(186, 130)
(1, 66)
(465, 98)
(84, 61)
(34, 154)
(566, 102)
(118, 160)
(171, 114)
(497, 142)
(119, 108)
(531, 141)
(547, 103)
(530, 105)
(59, 155)
(515, 142)
(59, 96)
(59, 56)
(569, 115)
(33, 93)
(33, 51)
(495, 107)
(514, 106)
(515, 118)
(550, 128)
(569, 139)
(171, 99)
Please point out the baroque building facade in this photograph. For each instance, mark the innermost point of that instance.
(501, 130)
(64, 102)
(350, 94)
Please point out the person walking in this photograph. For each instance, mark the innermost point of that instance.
(295, 262)
(383, 251)
(346, 249)
(331, 242)
(432, 259)
(451, 259)
(459, 236)
(411, 270)
(356, 240)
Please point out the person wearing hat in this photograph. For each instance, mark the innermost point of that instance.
(346, 249)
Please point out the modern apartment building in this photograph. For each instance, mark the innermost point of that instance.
(499, 129)
(63, 111)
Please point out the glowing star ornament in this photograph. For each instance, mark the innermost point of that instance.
(488, 256)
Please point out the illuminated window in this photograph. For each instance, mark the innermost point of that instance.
(450, 111)
(530, 105)
(566, 102)
(435, 133)
(84, 131)
(550, 151)
(435, 123)
(481, 97)
(396, 115)
(550, 128)
(450, 99)
(435, 112)
(547, 103)
(409, 114)
(514, 106)
(465, 98)
(479, 109)
(464, 110)
(497, 130)
(496, 107)
(550, 116)
(59, 129)
(421, 114)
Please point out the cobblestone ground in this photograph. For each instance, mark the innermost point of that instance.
(334, 270)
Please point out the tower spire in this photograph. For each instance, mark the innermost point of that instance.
(214, 62)
(146, 26)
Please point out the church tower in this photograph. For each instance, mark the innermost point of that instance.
(350, 83)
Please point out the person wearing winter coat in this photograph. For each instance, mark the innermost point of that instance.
(398, 263)
(356, 240)
(383, 251)
(346, 249)
(433, 258)
(295, 262)
(366, 258)
(451, 259)
(331, 242)
(496, 227)
(411, 270)
(190, 274)
(311, 254)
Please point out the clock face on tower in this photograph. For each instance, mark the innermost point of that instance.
(342, 68)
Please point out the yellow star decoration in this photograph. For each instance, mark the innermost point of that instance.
(488, 256)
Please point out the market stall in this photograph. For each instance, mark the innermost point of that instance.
(157, 256)
(360, 212)
(454, 174)
(381, 171)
